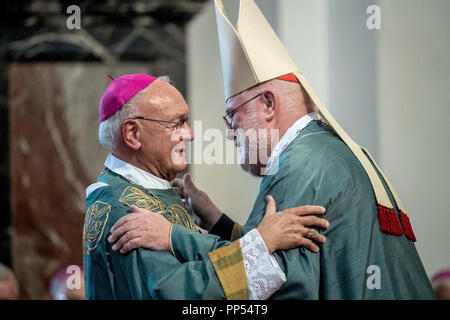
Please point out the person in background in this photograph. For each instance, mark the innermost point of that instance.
(441, 284)
(9, 287)
(65, 285)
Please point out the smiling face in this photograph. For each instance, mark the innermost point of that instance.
(162, 146)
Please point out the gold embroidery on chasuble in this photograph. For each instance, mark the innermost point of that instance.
(179, 212)
(96, 217)
(175, 213)
(134, 196)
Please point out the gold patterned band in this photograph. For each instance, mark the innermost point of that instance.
(229, 266)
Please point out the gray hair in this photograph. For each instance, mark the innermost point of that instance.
(109, 131)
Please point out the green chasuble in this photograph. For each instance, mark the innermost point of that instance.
(357, 261)
(148, 274)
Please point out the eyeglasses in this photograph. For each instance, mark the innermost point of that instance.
(175, 124)
(229, 116)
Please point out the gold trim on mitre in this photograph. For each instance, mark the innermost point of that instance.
(252, 53)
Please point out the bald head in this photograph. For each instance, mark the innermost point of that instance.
(158, 98)
(151, 135)
(109, 130)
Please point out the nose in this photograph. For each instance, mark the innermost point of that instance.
(188, 134)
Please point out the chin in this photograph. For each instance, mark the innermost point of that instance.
(244, 161)
(178, 160)
(174, 169)
(180, 167)
(253, 169)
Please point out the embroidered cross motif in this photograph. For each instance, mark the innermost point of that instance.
(96, 217)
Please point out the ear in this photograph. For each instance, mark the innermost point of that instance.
(270, 104)
(130, 134)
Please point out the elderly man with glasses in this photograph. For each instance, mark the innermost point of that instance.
(144, 122)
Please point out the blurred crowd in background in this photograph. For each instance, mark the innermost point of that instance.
(62, 286)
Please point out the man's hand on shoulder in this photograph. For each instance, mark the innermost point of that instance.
(282, 230)
(140, 229)
(287, 229)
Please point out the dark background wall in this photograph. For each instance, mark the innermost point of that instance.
(36, 48)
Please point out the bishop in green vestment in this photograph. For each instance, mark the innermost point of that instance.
(141, 274)
(138, 127)
(358, 261)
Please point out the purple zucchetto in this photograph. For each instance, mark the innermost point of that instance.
(441, 276)
(120, 91)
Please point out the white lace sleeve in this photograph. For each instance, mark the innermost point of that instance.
(264, 275)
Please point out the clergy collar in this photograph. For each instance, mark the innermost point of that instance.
(134, 174)
(286, 139)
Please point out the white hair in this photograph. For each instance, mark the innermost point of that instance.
(109, 131)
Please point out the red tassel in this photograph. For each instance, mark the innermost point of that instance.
(389, 222)
(407, 229)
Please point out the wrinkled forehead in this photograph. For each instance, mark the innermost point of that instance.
(164, 100)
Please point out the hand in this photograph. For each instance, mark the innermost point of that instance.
(140, 229)
(287, 229)
(197, 201)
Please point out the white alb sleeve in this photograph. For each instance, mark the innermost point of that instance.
(264, 275)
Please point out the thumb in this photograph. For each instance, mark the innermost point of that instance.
(137, 209)
(177, 183)
(271, 207)
(188, 181)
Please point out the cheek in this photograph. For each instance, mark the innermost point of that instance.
(176, 156)
(239, 121)
(174, 143)
(159, 146)
(248, 120)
